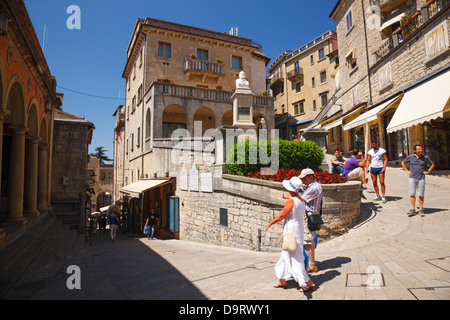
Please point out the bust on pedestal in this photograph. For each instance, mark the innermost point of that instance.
(243, 104)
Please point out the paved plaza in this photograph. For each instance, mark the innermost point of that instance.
(386, 256)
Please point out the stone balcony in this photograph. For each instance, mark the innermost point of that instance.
(203, 69)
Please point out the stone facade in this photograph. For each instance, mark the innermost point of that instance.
(70, 180)
(302, 82)
(27, 102)
(386, 42)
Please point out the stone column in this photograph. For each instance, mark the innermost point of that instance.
(2, 115)
(42, 193)
(16, 178)
(31, 179)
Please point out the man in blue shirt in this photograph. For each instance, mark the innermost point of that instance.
(418, 164)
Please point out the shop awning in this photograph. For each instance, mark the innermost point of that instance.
(423, 103)
(369, 115)
(392, 21)
(136, 188)
(301, 122)
(333, 124)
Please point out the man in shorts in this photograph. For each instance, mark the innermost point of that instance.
(377, 160)
(354, 169)
(418, 164)
(312, 197)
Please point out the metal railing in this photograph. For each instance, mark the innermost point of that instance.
(409, 26)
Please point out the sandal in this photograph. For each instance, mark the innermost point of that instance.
(280, 285)
(307, 288)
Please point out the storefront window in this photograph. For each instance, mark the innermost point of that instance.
(357, 138)
(374, 133)
(436, 139)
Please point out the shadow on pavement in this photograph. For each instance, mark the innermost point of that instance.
(126, 269)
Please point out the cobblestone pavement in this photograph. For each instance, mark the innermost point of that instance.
(386, 256)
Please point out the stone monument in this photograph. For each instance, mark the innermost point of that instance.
(243, 104)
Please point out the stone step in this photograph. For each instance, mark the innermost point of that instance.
(28, 257)
(10, 253)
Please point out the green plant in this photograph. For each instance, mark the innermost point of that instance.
(244, 157)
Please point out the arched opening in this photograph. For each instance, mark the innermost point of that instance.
(206, 117)
(174, 117)
(227, 119)
(13, 153)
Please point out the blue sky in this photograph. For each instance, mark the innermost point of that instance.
(91, 60)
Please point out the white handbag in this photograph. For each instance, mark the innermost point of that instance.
(290, 239)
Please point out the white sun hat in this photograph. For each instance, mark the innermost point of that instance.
(294, 184)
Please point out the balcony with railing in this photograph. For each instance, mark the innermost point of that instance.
(174, 90)
(276, 77)
(409, 26)
(295, 74)
(204, 69)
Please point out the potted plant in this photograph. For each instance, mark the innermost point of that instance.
(164, 79)
(219, 60)
(219, 87)
(193, 56)
(265, 93)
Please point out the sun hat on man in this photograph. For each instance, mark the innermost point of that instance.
(294, 184)
(306, 172)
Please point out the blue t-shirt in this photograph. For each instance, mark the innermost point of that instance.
(418, 165)
(113, 219)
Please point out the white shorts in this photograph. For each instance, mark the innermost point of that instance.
(416, 185)
(355, 174)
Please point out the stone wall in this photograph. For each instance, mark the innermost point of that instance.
(251, 204)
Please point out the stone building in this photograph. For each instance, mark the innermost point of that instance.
(71, 139)
(394, 75)
(302, 82)
(28, 99)
(177, 76)
(101, 177)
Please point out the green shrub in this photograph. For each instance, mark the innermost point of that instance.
(290, 154)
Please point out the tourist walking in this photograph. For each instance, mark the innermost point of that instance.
(312, 197)
(419, 166)
(377, 161)
(151, 224)
(113, 217)
(291, 264)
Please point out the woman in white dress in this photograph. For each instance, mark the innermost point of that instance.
(291, 264)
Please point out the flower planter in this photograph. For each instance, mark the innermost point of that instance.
(341, 204)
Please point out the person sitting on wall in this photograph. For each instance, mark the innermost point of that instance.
(337, 162)
(354, 169)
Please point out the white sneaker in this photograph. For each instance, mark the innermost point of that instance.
(383, 199)
(377, 198)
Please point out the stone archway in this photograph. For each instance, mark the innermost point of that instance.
(206, 116)
(31, 177)
(174, 117)
(16, 120)
(227, 118)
